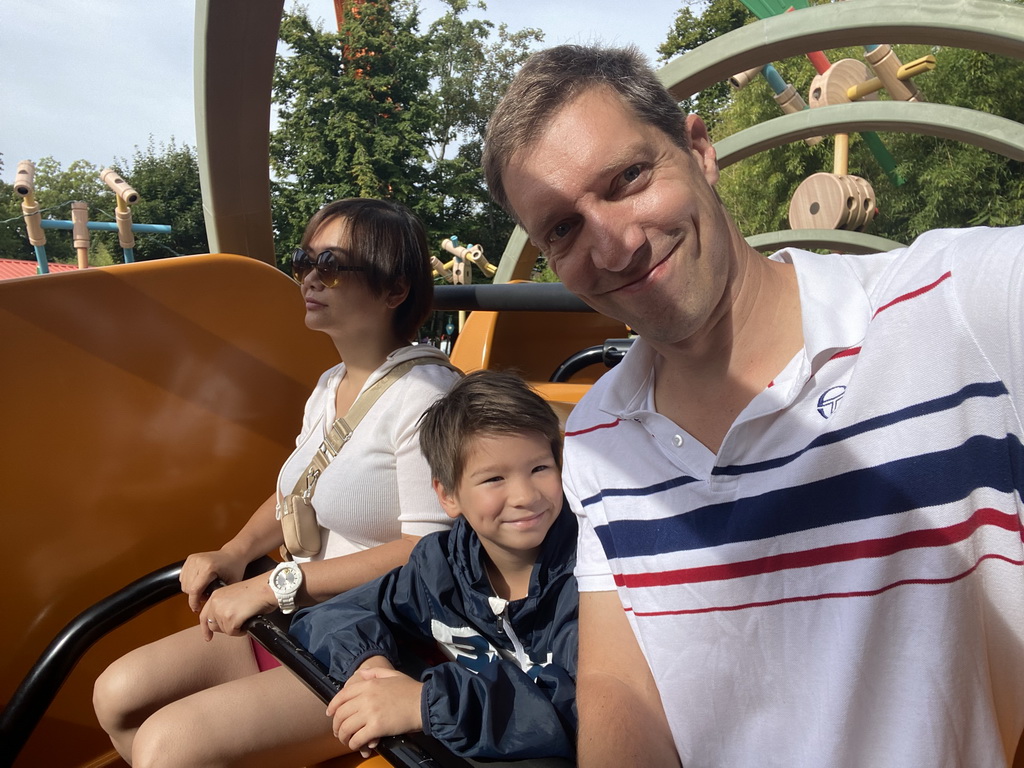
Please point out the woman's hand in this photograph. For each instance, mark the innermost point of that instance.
(229, 607)
(202, 568)
(376, 701)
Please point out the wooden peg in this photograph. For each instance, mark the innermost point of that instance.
(24, 180)
(743, 79)
(80, 232)
(119, 186)
(886, 65)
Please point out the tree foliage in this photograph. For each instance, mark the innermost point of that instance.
(350, 119)
(379, 109)
(167, 180)
(947, 184)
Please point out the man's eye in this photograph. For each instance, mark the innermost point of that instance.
(559, 231)
(631, 174)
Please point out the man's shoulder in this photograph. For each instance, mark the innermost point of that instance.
(941, 253)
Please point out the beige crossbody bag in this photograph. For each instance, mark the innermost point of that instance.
(295, 511)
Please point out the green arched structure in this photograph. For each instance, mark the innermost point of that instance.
(990, 132)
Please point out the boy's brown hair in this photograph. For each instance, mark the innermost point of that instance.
(483, 403)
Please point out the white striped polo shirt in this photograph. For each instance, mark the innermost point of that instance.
(843, 583)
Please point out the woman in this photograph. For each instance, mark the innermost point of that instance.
(205, 695)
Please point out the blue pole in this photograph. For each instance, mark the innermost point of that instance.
(771, 74)
(42, 268)
(129, 255)
(108, 226)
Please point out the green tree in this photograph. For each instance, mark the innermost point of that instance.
(468, 73)
(378, 109)
(167, 180)
(349, 111)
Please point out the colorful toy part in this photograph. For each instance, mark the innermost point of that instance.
(785, 95)
(24, 185)
(475, 253)
(891, 75)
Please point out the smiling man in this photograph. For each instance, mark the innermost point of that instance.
(800, 492)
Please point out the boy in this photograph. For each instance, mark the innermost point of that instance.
(496, 593)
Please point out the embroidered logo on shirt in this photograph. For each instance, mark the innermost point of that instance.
(829, 400)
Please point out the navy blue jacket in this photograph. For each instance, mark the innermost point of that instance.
(509, 690)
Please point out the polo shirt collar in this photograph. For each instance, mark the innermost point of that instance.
(835, 311)
(834, 307)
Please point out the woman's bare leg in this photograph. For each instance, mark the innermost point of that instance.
(141, 682)
(267, 719)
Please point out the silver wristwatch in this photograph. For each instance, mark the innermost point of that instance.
(285, 581)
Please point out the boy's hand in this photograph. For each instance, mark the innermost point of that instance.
(376, 701)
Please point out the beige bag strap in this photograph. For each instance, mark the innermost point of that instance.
(341, 430)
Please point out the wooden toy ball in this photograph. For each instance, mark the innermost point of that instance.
(828, 201)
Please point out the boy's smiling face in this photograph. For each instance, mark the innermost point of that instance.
(510, 493)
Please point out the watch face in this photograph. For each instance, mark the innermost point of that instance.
(285, 579)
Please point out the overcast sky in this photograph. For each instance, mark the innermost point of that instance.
(94, 79)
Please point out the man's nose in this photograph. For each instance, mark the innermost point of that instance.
(615, 234)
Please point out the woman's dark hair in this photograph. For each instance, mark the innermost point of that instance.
(388, 239)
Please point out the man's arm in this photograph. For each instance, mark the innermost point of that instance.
(622, 721)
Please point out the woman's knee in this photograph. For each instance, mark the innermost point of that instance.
(169, 737)
(113, 696)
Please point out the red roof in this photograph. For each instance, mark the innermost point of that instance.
(24, 268)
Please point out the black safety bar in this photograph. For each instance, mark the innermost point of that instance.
(609, 353)
(522, 297)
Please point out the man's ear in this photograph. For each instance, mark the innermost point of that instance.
(449, 503)
(702, 148)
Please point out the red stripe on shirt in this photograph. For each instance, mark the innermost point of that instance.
(834, 595)
(845, 353)
(591, 429)
(911, 295)
(836, 553)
